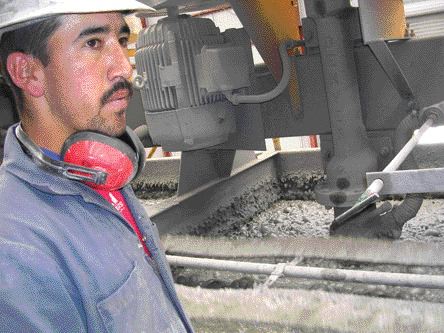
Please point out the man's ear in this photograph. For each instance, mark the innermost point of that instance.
(26, 73)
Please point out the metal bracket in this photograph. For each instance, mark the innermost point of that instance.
(392, 69)
(410, 181)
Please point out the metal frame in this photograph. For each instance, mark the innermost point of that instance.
(193, 209)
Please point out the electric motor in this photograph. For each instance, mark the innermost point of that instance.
(184, 65)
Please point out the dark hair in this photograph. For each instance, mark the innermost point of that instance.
(31, 39)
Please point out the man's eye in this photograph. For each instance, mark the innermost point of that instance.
(93, 43)
(123, 41)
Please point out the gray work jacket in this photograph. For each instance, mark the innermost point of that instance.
(69, 262)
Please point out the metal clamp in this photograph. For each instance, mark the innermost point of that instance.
(279, 272)
(276, 274)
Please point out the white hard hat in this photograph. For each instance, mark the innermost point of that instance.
(18, 13)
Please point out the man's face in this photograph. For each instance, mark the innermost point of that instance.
(87, 78)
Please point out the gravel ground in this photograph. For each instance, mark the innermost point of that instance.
(288, 211)
(308, 218)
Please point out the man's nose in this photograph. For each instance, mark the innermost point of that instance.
(118, 61)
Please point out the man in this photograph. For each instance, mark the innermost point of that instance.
(75, 256)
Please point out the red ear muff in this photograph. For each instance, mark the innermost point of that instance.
(100, 152)
(101, 161)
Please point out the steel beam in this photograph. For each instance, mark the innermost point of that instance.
(352, 155)
(190, 210)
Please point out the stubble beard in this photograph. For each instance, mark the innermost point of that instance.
(99, 124)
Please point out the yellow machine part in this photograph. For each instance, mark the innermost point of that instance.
(269, 23)
(383, 19)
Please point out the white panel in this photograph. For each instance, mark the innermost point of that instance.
(425, 17)
(427, 25)
(424, 7)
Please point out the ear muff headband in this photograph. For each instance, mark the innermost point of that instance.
(131, 138)
(67, 170)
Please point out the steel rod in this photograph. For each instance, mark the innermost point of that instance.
(316, 273)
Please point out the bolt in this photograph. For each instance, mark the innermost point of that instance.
(384, 151)
(338, 198)
(413, 107)
(342, 183)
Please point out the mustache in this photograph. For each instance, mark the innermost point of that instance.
(121, 85)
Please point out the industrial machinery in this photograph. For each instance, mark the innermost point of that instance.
(354, 77)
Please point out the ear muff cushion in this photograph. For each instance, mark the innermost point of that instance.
(132, 139)
(105, 153)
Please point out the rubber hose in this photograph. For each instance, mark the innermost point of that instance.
(412, 203)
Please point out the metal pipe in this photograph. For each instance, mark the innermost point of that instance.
(316, 273)
(279, 89)
(343, 249)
